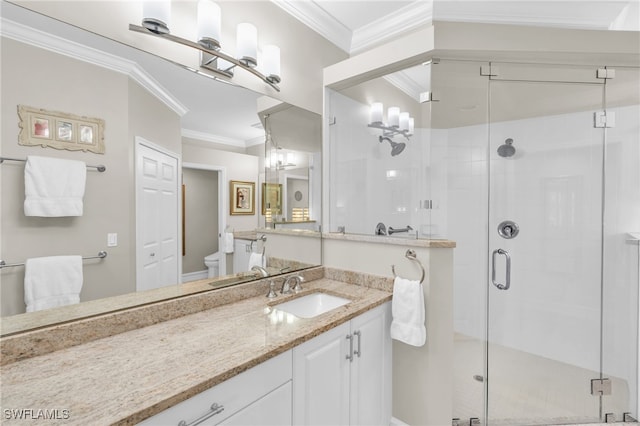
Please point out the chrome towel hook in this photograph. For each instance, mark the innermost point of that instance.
(411, 255)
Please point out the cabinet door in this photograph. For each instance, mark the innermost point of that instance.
(370, 394)
(273, 409)
(321, 379)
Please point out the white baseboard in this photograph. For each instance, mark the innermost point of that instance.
(193, 276)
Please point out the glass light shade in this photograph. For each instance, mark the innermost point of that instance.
(271, 66)
(404, 121)
(377, 110)
(411, 125)
(247, 42)
(156, 16)
(208, 28)
(393, 117)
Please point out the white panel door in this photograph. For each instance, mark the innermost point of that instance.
(157, 218)
(321, 379)
(370, 394)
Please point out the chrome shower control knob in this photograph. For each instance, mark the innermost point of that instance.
(508, 229)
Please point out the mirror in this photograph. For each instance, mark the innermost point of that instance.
(137, 95)
(292, 191)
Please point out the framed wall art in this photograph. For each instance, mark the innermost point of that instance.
(242, 197)
(272, 198)
(60, 130)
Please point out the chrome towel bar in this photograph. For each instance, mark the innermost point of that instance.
(411, 255)
(99, 167)
(101, 255)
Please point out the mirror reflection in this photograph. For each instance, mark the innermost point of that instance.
(162, 123)
(291, 193)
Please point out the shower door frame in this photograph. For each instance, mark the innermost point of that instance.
(497, 287)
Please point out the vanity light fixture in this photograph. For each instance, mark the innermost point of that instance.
(156, 21)
(398, 123)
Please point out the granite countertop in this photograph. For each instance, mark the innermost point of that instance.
(401, 240)
(131, 376)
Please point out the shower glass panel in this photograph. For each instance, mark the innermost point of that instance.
(377, 175)
(621, 239)
(459, 167)
(544, 284)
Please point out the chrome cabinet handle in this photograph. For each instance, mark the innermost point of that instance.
(215, 409)
(359, 351)
(507, 282)
(350, 356)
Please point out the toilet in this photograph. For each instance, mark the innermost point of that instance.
(213, 263)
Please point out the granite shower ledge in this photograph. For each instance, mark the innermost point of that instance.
(383, 239)
(131, 376)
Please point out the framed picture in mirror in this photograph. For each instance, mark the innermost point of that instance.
(272, 199)
(242, 197)
(60, 130)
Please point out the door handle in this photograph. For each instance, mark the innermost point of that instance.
(359, 350)
(350, 356)
(507, 282)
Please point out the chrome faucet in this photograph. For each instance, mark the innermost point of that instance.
(286, 286)
(260, 269)
(393, 231)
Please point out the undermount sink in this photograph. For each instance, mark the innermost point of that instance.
(312, 305)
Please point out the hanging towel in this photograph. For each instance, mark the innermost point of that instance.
(407, 310)
(228, 242)
(256, 259)
(52, 281)
(53, 187)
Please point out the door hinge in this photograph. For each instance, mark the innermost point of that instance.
(600, 387)
(606, 73)
(489, 70)
(604, 119)
(429, 97)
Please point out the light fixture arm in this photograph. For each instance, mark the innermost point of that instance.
(389, 130)
(214, 53)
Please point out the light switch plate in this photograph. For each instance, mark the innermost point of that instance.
(112, 240)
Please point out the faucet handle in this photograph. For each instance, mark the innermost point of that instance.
(272, 290)
(297, 287)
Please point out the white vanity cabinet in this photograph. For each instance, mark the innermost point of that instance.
(261, 395)
(343, 376)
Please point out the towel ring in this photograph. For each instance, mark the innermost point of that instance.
(411, 255)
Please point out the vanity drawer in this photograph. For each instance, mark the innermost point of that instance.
(232, 395)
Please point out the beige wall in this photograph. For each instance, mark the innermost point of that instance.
(239, 167)
(42, 79)
(201, 217)
(422, 379)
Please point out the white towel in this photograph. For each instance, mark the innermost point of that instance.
(256, 259)
(228, 242)
(52, 281)
(53, 187)
(408, 312)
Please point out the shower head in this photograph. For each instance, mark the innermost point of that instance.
(396, 147)
(506, 150)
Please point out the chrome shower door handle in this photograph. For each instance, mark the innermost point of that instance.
(507, 282)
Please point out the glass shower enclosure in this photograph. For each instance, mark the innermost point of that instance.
(534, 171)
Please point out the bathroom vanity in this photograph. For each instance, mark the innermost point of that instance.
(248, 356)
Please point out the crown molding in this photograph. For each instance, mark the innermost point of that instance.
(72, 49)
(405, 84)
(316, 18)
(415, 15)
(208, 137)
